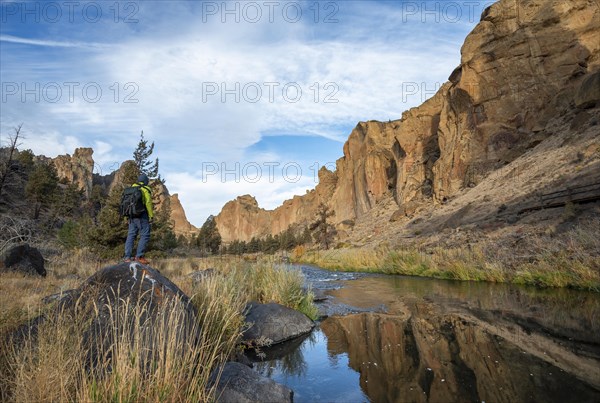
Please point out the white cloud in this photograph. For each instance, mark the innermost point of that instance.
(50, 43)
(166, 61)
(50, 143)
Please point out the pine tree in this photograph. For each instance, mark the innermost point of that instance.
(209, 239)
(163, 238)
(41, 186)
(141, 156)
(323, 232)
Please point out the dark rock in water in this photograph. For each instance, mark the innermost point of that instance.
(25, 259)
(240, 384)
(275, 322)
(319, 295)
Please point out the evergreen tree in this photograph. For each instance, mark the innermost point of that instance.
(68, 201)
(287, 239)
(96, 201)
(237, 247)
(254, 245)
(141, 156)
(25, 159)
(209, 239)
(270, 244)
(306, 237)
(181, 240)
(323, 232)
(41, 186)
(163, 238)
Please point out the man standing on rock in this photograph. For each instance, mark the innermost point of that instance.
(140, 223)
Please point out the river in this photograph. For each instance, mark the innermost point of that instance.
(388, 338)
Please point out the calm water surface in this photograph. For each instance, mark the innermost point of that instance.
(395, 339)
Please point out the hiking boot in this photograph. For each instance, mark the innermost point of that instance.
(127, 259)
(142, 260)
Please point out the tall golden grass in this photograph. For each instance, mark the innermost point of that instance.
(571, 259)
(165, 364)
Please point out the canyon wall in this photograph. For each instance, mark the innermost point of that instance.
(78, 170)
(524, 63)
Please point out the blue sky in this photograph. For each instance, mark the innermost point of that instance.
(239, 96)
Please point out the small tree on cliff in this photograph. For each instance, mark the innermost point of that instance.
(141, 156)
(323, 232)
(209, 239)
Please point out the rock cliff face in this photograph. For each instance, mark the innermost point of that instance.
(77, 169)
(525, 63)
(242, 219)
(181, 226)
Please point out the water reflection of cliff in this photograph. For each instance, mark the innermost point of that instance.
(425, 355)
(574, 313)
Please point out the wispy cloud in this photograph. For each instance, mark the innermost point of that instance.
(191, 83)
(52, 43)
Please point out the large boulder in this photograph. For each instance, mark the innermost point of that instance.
(25, 259)
(240, 384)
(147, 301)
(127, 298)
(133, 280)
(275, 323)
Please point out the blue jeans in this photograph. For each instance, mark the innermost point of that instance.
(141, 225)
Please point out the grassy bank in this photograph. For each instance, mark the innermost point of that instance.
(53, 366)
(570, 259)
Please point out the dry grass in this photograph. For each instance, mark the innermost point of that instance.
(570, 259)
(141, 362)
(267, 282)
(52, 366)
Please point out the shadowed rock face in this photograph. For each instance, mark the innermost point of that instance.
(525, 64)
